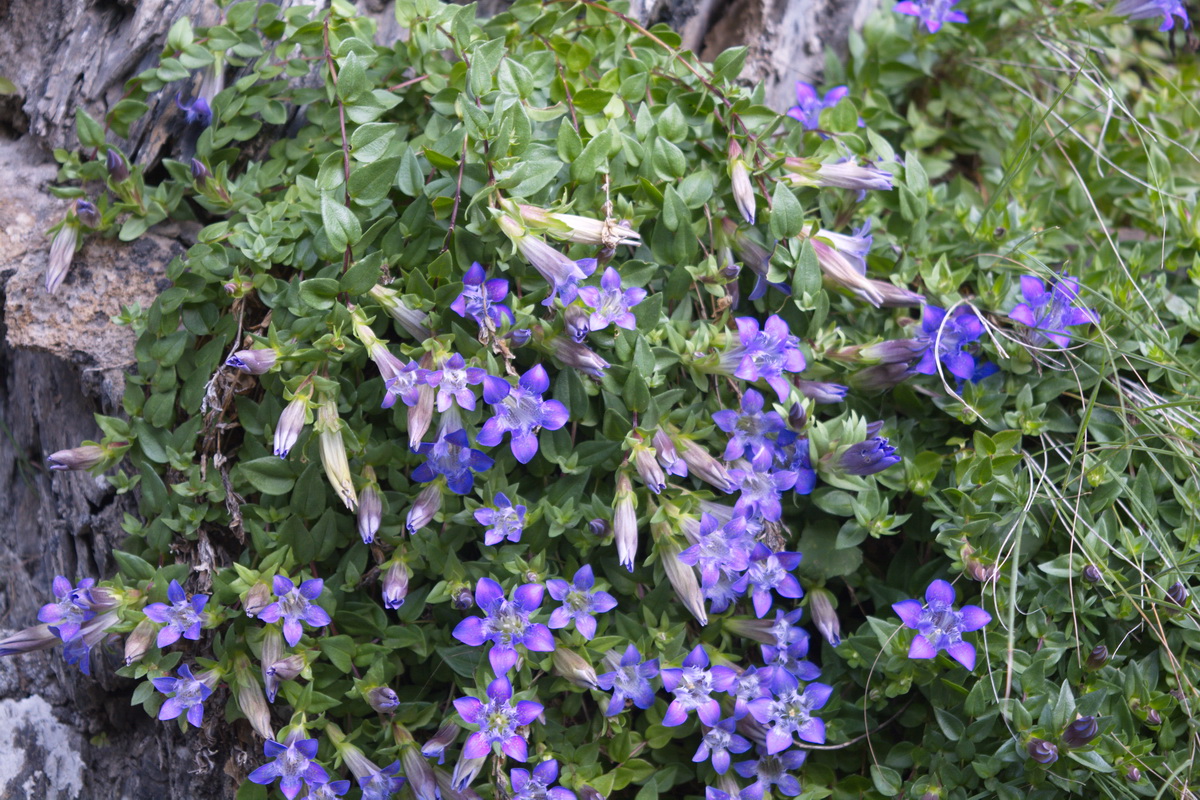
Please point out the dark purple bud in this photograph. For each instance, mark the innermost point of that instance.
(462, 598)
(797, 417)
(869, 457)
(519, 336)
(1097, 658)
(880, 377)
(383, 700)
(586, 792)
(1081, 732)
(1042, 751)
(118, 170)
(1133, 775)
(1153, 718)
(87, 213)
(257, 361)
(576, 322)
(200, 173)
(1178, 594)
(932, 794)
(77, 458)
(822, 392)
(599, 527)
(1091, 574)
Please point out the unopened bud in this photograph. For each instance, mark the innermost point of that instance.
(370, 513)
(258, 597)
(138, 642)
(1178, 594)
(420, 416)
(87, 213)
(1153, 718)
(427, 504)
(62, 253)
(77, 458)
(702, 464)
(820, 605)
(291, 423)
(466, 771)
(739, 179)
(421, 780)
(575, 668)
(682, 576)
(412, 320)
(462, 598)
(288, 668)
(519, 336)
(797, 417)
(625, 521)
(257, 361)
(272, 651)
(200, 173)
(395, 584)
(599, 527)
(1081, 732)
(577, 322)
(648, 469)
(1042, 751)
(436, 746)
(118, 170)
(579, 356)
(1133, 775)
(28, 640)
(333, 451)
(586, 792)
(250, 699)
(1091, 574)
(668, 455)
(382, 699)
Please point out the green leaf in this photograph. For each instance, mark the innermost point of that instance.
(370, 183)
(787, 216)
(341, 226)
(270, 474)
(362, 276)
(352, 78)
(132, 566)
(339, 650)
(671, 123)
(124, 114)
(806, 281)
(568, 142)
(319, 293)
(595, 154)
(728, 65)
(887, 780)
(484, 60)
(675, 211)
(369, 142)
(410, 179)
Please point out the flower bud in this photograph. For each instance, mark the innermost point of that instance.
(291, 423)
(1091, 574)
(739, 179)
(843, 175)
(412, 320)
(249, 696)
(427, 504)
(118, 170)
(382, 699)
(287, 668)
(702, 464)
(519, 336)
(466, 771)
(599, 527)
(758, 630)
(577, 322)
(462, 598)
(1178, 594)
(797, 416)
(437, 744)
(87, 213)
(256, 599)
(575, 668)
(420, 416)
(257, 361)
(586, 792)
(581, 230)
(821, 392)
(77, 458)
(1081, 732)
(625, 521)
(1042, 751)
(1097, 658)
(370, 513)
(28, 640)
(1133, 775)
(272, 651)
(683, 580)
(667, 455)
(395, 584)
(333, 451)
(648, 469)
(1153, 718)
(421, 779)
(581, 357)
(138, 642)
(820, 605)
(200, 173)
(62, 252)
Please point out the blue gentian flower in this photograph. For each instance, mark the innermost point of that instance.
(453, 381)
(786, 666)
(483, 299)
(72, 608)
(498, 721)
(1147, 9)
(506, 624)
(181, 617)
(1049, 312)
(940, 626)
(196, 112)
(810, 103)
(189, 696)
(405, 384)
(718, 742)
(295, 606)
(753, 430)
(579, 602)
(785, 630)
(747, 687)
(761, 488)
(328, 791)
(719, 549)
(452, 457)
(789, 714)
(521, 411)
(766, 353)
(950, 338)
(539, 784)
(770, 571)
(752, 792)
(630, 680)
(773, 770)
(693, 684)
(868, 457)
(792, 455)
(721, 594)
(506, 520)
(610, 304)
(382, 784)
(294, 764)
(932, 13)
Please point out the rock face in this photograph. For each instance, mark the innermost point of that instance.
(63, 735)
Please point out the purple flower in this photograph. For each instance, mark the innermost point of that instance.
(610, 304)
(772, 770)
(693, 685)
(785, 631)
(452, 457)
(257, 361)
(453, 380)
(506, 624)
(721, 595)
(182, 618)
(197, 112)
(629, 681)
(498, 721)
(868, 457)
(521, 411)
(190, 695)
(538, 785)
(786, 666)
(951, 337)
(482, 299)
(506, 520)
(718, 742)
(792, 455)
(720, 550)
(405, 384)
(294, 765)
(328, 791)
(72, 608)
(810, 104)
(381, 784)
(761, 488)
(789, 714)
(752, 430)
(822, 392)
(295, 605)
(933, 13)
(1146, 9)
(940, 626)
(767, 353)
(1051, 311)
(579, 603)
(747, 687)
(769, 571)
